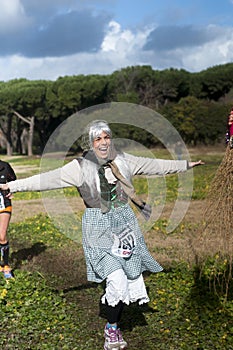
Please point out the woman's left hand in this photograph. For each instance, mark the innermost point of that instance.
(193, 164)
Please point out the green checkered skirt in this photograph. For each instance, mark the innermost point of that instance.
(99, 236)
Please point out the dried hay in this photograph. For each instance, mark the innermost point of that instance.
(215, 239)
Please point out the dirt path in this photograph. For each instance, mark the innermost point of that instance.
(166, 248)
(23, 209)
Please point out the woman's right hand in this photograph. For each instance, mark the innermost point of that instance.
(4, 186)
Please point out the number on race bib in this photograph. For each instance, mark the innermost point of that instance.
(124, 243)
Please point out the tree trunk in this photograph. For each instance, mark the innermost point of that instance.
(24, 140)
(9, 149)
(30, 138)
(31, 122)
(6, 127)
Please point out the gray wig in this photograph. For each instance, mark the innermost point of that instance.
(94, 130)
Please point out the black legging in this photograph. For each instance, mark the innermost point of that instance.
(113, 313)
(4, 254)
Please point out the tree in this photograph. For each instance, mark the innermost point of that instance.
(23, 99)
(31, 122)
(6, 129)
(213, 83)
(185, 117)
(198, 121)
(8, 100)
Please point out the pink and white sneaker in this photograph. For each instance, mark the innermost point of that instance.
(111, 339)
(122, 342)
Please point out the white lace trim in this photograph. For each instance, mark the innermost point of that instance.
(130, 291)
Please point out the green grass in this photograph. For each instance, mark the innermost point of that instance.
(50, 305)
(22, 160)
(179, 316)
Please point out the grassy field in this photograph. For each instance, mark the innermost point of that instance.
(50, 305)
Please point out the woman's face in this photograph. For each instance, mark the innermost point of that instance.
(101, 145)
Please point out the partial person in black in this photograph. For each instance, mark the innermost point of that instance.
(7, 174)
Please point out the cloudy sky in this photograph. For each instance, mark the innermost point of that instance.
(46, 39)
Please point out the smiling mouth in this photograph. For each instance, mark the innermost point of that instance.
(103, 149)
(103, 152)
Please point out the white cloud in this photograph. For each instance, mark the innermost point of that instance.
(51, 68)
(12, 16)
(219, 51)
(117, 54)
(123, 47)
(109, 42)
(117, 47)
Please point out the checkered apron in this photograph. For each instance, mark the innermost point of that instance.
(100, 232)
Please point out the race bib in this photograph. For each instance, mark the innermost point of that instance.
(124, 243)
(2, 204)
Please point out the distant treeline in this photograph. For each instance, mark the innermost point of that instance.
(197, 104)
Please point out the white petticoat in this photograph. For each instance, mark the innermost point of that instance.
(120, 288)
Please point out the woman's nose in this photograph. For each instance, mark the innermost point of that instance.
(103, 141)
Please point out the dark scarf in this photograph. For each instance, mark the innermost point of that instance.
(108, 191)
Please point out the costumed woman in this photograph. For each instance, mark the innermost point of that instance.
(114, 247)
